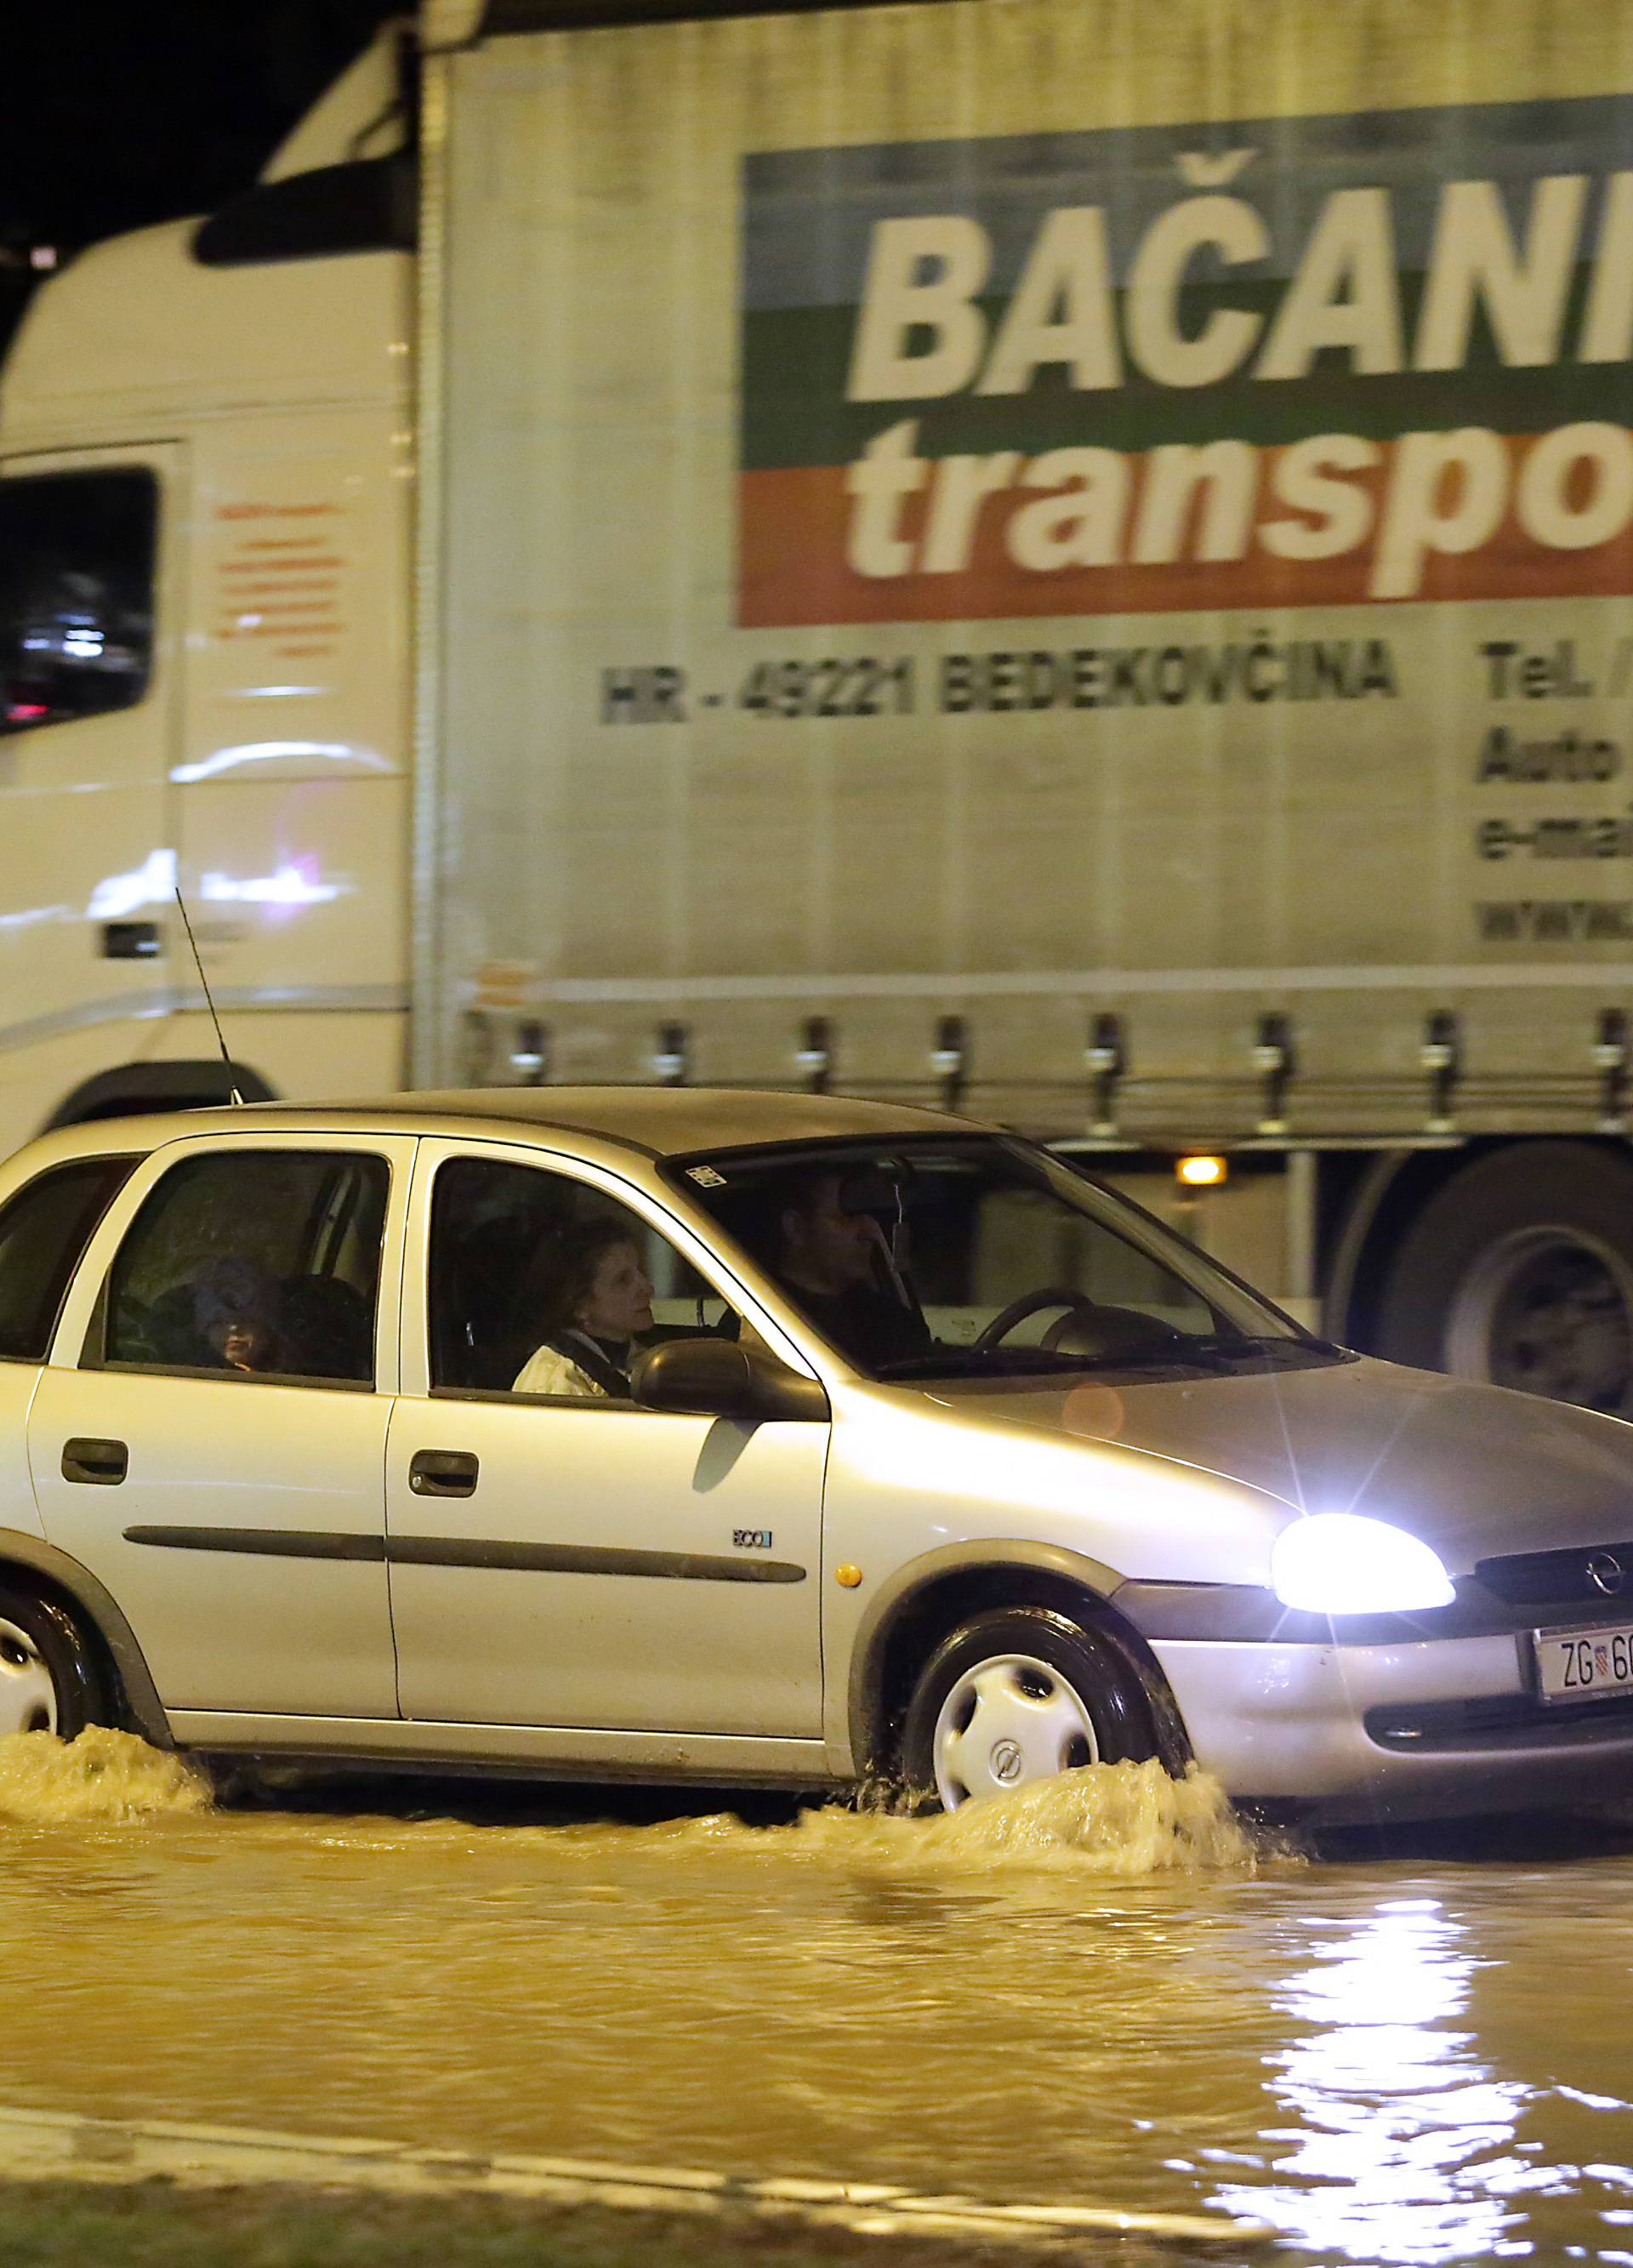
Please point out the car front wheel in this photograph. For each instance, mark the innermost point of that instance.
(49, 1678)
(1016, 1695)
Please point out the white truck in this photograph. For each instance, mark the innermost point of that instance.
(1064, 558)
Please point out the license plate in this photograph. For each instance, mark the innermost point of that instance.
(1583, 1665)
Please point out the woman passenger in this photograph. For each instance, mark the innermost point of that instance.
(599, 1303)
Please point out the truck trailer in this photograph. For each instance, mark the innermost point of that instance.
(1057, 558)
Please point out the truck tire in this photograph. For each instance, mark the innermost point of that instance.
(50, 1680)
(1016, 1695)
(1520, 1271)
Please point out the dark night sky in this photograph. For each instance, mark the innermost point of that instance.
(118, 114)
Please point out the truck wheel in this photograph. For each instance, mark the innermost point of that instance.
(1017, 1695)
(1520, 1271)
(50, 1681)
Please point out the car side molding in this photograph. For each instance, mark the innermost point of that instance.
(97, 1605)
(495, 1554)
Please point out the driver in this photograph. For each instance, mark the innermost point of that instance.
(832, 1259)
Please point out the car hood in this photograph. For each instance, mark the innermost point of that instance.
(1475, 1470)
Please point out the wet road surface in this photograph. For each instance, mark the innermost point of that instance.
(1097, 1991)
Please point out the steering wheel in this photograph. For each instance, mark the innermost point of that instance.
(1120, 1331)
(1030, 1303)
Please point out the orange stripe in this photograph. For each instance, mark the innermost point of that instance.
(793, 569)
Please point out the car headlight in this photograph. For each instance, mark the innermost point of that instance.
(1336, 1563)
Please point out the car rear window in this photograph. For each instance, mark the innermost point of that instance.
(43, 1232)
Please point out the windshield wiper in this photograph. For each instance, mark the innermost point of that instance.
(1000, 1362)
(1220, 1352)
(1270, 1346)
(1039, 1362)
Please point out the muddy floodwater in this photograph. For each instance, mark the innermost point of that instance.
(1100, 1991)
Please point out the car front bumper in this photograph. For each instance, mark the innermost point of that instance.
(1352, 1734)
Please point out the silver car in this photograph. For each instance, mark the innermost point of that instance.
(753, 1438)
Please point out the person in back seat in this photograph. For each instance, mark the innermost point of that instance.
(235, 1310)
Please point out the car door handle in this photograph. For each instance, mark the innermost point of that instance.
(443, 1472)
(103, 1464)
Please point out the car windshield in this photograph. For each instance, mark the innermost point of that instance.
(983, 1257)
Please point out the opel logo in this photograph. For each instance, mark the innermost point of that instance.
(1604, 1572)
(1006, 1761)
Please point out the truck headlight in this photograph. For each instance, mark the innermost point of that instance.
(1336, 1563)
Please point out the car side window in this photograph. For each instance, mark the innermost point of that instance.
(252, 1263)
(540, 1284)
(44, 1230)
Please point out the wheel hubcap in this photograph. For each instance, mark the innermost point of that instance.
(27, 1696)
(1549, 1310)
(1007, 1722)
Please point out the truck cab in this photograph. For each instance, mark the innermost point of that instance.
(205, 489)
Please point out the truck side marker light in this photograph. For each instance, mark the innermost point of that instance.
(530, 1055)
(1610, 1060)
(1107, 1058)
(1441, 1056)
(846, 1576)
(815, 1054)
(1202, 1173)
(949, 1059)
(1273, 1057)
(669, 1060)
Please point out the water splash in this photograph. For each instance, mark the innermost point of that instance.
(1121, 1820)
(1115, 1819)
(1118, 1821)
(102, 1779)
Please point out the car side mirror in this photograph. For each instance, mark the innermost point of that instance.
(715, 1378)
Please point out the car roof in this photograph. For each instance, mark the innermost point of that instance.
(658, 1122)
(668, 1122)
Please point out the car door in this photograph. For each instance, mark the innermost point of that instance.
(210, 1436)
(569, 1559)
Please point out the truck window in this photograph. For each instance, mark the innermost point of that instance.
(76, 552)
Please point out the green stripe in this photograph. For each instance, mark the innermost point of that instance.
(795, 362)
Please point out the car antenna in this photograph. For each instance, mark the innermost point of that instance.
(232, 1085)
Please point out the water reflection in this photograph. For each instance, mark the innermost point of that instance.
(1406, 2148)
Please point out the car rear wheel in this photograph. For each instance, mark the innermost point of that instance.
(1017, 1695)
(49, 1680)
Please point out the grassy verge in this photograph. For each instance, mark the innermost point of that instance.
(155, 2225)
